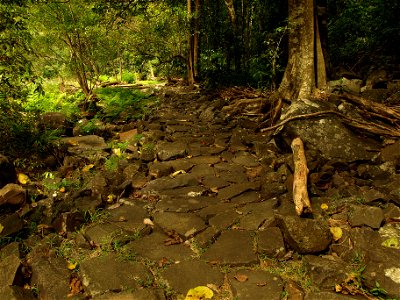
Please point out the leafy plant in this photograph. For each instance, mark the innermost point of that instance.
(122, 103)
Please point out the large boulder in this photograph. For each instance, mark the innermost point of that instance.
(327, 134)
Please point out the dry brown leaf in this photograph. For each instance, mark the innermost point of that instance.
(241, 277)
(214, 189)
(173, 239)
(162, 262)
(75, 287)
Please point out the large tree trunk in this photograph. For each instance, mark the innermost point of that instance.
(190, 55)
(196, 39)
(305, 70)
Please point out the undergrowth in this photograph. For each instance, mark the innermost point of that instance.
(122, 103)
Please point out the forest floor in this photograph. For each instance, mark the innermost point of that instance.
(196, 197)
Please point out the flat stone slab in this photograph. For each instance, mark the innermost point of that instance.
(110, 273)
(233, 190)
(106, 233)
(245, 159)
(213, 182)
(51, 277)
(153, 247)
(167, 151)
(205, 159)
(168, 183)
(15, 293)
(255, 284)
(246, 197)
(257, 215)
(140, 294)
(185, 224)
(270, 242)
(129, 217)
(195, 273)
(182, 204)
(9, 266)
(364, 215)
(87, 142)
(233, 248)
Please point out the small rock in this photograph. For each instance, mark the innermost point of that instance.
(363, 215)
(391, 152)
(12, 194)
(306, 236)
(11, 224)
(327, 271)
(53, 120)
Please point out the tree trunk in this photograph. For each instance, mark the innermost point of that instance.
(305, 70)
(235, 40)
(196, 39)
(190, 55)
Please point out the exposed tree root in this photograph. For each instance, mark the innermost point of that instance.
(377, 110)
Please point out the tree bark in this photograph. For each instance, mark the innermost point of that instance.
(196, 39)
(305, 70)
(190, 55)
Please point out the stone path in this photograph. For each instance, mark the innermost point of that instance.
(207, 202)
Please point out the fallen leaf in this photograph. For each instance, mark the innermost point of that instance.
(147, 221)
(110, 198)
(214, 190)
(392, 242)
(173, 239)
(71, 266)
(117, 152)
(261, 284)
(75, 287)
(23, 179)
(241, 277)
(87, 168)
(1, 228)
(200, 292)
(162, 262)
(62, 189)
(72, 143)
(337, 233)
(324, 206)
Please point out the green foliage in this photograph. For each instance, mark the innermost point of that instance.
(15, 68)
(22, 136)
(52, 100)
(363, 32)
(122, 103)
(128, 77)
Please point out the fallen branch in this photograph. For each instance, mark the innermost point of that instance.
(300, 194)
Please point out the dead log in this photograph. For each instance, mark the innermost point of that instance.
(378, 108)
(300, 193)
